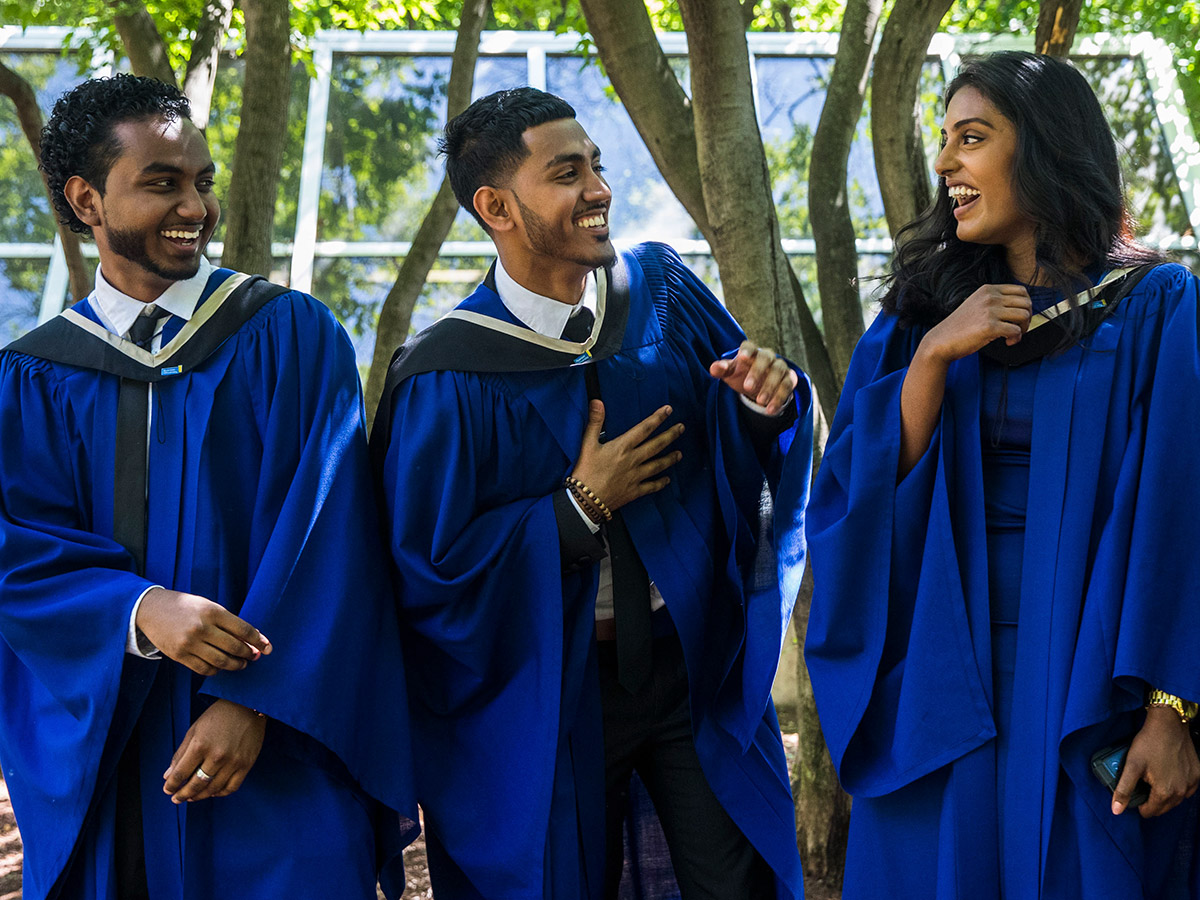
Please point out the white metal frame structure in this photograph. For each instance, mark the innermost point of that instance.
(305, 248)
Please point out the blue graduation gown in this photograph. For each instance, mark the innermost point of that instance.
(260, 499)
(898, 641)
(499, 641)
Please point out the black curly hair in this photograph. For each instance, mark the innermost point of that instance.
(79, 139)
(483, 145)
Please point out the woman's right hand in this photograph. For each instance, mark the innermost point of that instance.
(993, 311)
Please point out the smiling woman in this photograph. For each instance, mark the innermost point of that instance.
(976, 164)
(993, 602)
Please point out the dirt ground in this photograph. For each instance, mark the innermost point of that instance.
(10, 849)
(415, 865)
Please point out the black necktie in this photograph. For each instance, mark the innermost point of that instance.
(630, 587)
(129, 529)
(579, 326)
(141, 332)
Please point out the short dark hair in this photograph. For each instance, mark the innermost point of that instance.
(1066, 178)
(79, 139)
(483, 144)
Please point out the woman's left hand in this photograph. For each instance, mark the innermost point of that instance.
(1161, 753)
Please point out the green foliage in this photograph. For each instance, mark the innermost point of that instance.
(1175, 22)
(787, 15)
(383, 121)
(94, 34)
(24, 207)
(1004, 17)
(1152, 183)
(562, 17)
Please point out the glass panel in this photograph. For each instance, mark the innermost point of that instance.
(25, 214)
(21, 285)
(790, 95)
(791, 92)
(1152, 187)
(355, 287)
(223, 123)
(386, 114)
(643, 206)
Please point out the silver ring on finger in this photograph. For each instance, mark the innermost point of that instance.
(202, 775)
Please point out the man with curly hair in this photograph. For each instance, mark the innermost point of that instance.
(183, 472)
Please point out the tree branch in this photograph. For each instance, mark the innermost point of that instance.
(660, 110)
(395, 316)
(1057, 23)
(895, 112)
(142, 41)
(258, 153)
(828, 196)
(29, 115)
(205, 52)
(755, 272)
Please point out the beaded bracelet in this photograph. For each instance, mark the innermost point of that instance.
(578, 488)
(590, 509)
(587, 507)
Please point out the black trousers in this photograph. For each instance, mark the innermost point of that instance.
(651, 733)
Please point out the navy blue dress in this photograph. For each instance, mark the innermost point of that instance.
(1006, 437)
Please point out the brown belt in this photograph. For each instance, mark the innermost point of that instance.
(606, 629)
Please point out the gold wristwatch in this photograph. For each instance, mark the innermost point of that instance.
(1186, 708)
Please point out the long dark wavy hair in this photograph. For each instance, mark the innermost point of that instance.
(1066, 178)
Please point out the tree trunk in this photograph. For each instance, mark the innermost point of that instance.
(663, 116)
(205, 52)
(258, 153)
(734, 177)
(29, 115)
(396, 314)
(638, 69)
(1057, 23)
(828, 194)
(143, 43)
(900, 159)
(822, 807)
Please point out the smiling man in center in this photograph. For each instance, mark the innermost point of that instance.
(595, 488)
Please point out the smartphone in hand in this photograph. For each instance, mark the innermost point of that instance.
(1107, 765)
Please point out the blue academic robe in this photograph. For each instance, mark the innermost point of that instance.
(260, 499)
(503, 684)
(898, 641)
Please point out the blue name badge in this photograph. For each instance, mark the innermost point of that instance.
(173, 370)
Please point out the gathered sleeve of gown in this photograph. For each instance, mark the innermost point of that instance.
(66, 594)
(760, 474)
(1147, 573)
(497, 634)
(889, 647)
(318, 584)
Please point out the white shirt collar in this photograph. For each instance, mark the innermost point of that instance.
(545, 315)
(117, 310)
